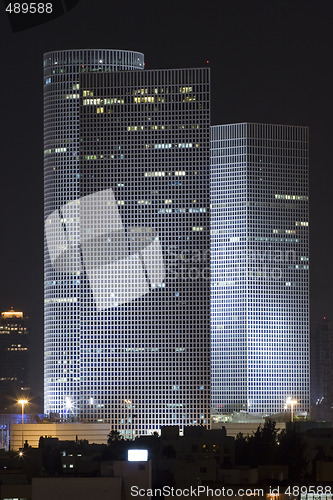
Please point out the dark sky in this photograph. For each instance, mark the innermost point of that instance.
(271, 61)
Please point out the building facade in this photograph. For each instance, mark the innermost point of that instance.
(127, 248)
(14, 352)
(260, 267)
(62, 291)
(322, 370)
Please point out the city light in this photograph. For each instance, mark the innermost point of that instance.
(291, 402)
(69, 404)
(12, 314)
(22, 402)
(137, 455)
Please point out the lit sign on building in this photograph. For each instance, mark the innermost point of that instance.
(11, 314)
(137, 455)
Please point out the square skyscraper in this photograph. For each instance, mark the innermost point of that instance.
(260, 267)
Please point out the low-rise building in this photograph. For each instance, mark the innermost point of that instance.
(92, 432)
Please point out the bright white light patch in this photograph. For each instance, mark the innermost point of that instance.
(137, 455)
(122, 263)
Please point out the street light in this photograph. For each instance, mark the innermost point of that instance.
(22, 402)
(291, 403)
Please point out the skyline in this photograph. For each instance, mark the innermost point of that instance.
(258, 75)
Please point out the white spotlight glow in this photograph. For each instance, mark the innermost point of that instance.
(137, 455)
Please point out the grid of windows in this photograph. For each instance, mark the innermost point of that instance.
(141, 348)
(260, 267)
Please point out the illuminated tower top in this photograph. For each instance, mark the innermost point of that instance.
(12, 314)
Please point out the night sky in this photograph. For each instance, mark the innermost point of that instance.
(270, 60)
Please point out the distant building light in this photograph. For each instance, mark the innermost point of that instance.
(137, 455)
(12, 314)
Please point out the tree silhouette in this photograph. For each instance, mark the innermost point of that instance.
(292, 452)
(114, 436)
(260, 448)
